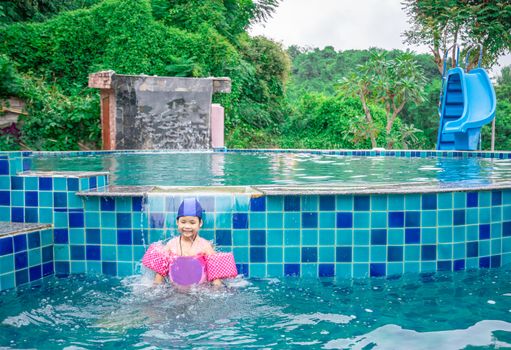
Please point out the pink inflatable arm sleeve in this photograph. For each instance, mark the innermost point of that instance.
(157, 258)
(221, 265)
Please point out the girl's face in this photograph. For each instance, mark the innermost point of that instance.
(188, 226)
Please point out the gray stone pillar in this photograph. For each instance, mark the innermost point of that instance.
(150, 112)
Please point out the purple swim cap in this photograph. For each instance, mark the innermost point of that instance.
(190, 207)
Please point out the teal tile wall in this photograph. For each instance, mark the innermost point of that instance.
(330, 235)
(25, 258)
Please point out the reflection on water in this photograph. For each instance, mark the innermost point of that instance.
(442, 311)
(207, 169)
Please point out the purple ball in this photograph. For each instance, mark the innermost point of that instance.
(186, 270)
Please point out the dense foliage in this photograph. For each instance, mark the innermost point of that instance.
(279, 98)
(503, 116)
(440, 24)
(53, 58)
(323, 71)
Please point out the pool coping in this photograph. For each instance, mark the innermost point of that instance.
(13, 228)
(270, 190)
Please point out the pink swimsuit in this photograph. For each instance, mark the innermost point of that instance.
(195, 264)
(199, 246)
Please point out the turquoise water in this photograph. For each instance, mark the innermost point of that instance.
(459, 310)
(208, 169)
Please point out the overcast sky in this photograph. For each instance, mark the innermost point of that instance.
(343, 24)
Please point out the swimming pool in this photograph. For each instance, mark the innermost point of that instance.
(450, 310)
(438, 227)
(302, 213)
(278, 168)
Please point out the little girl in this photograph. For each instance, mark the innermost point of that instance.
(189, 243)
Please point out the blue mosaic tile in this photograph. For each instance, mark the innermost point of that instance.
(472, 199)
(291, 203)
(412, 236)
(396, 219)
(495, 261)
(47, 254)
(429, 201)
(240, 220)
(124, 237)
(17, 214)
(5, 198)
(21, 277)
(459, 217)
(258, 204)
(93, 236)
(20, 243)
(6, 246)
(223, 237)
(31, 215)
(344, 220)
(459, 265)
(327, 203)
(412, 219)
(484, 231)
(109, 268)
(45, 183)
(124, 220)
(257, 254)
(17, 183)
(72, 184)
(361, 203)
(484, 262)
(472, 249)
(326, 270)
(4, 167)
(395, 253)
(377, 270)
(310, 220)
(107, 204)
(77, 252)
(20, 260)
(137, 204)
(309, 254)
(292, 269)
(428, 252)
(76, 219)
(496, 198)
(60, 199)
(34, 240)
(378, 237)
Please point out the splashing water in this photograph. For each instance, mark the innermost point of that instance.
(444, 311)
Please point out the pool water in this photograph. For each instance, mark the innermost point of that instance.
(442, 311)
(209, 169)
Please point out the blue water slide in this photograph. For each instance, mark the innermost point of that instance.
(468, 103)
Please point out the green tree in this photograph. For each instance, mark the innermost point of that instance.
(321, 121)
(155, 37)
(503, 114)
(388, 82)
(440, 24)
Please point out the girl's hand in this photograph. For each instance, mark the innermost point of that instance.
(217, 283)
(158, 279)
